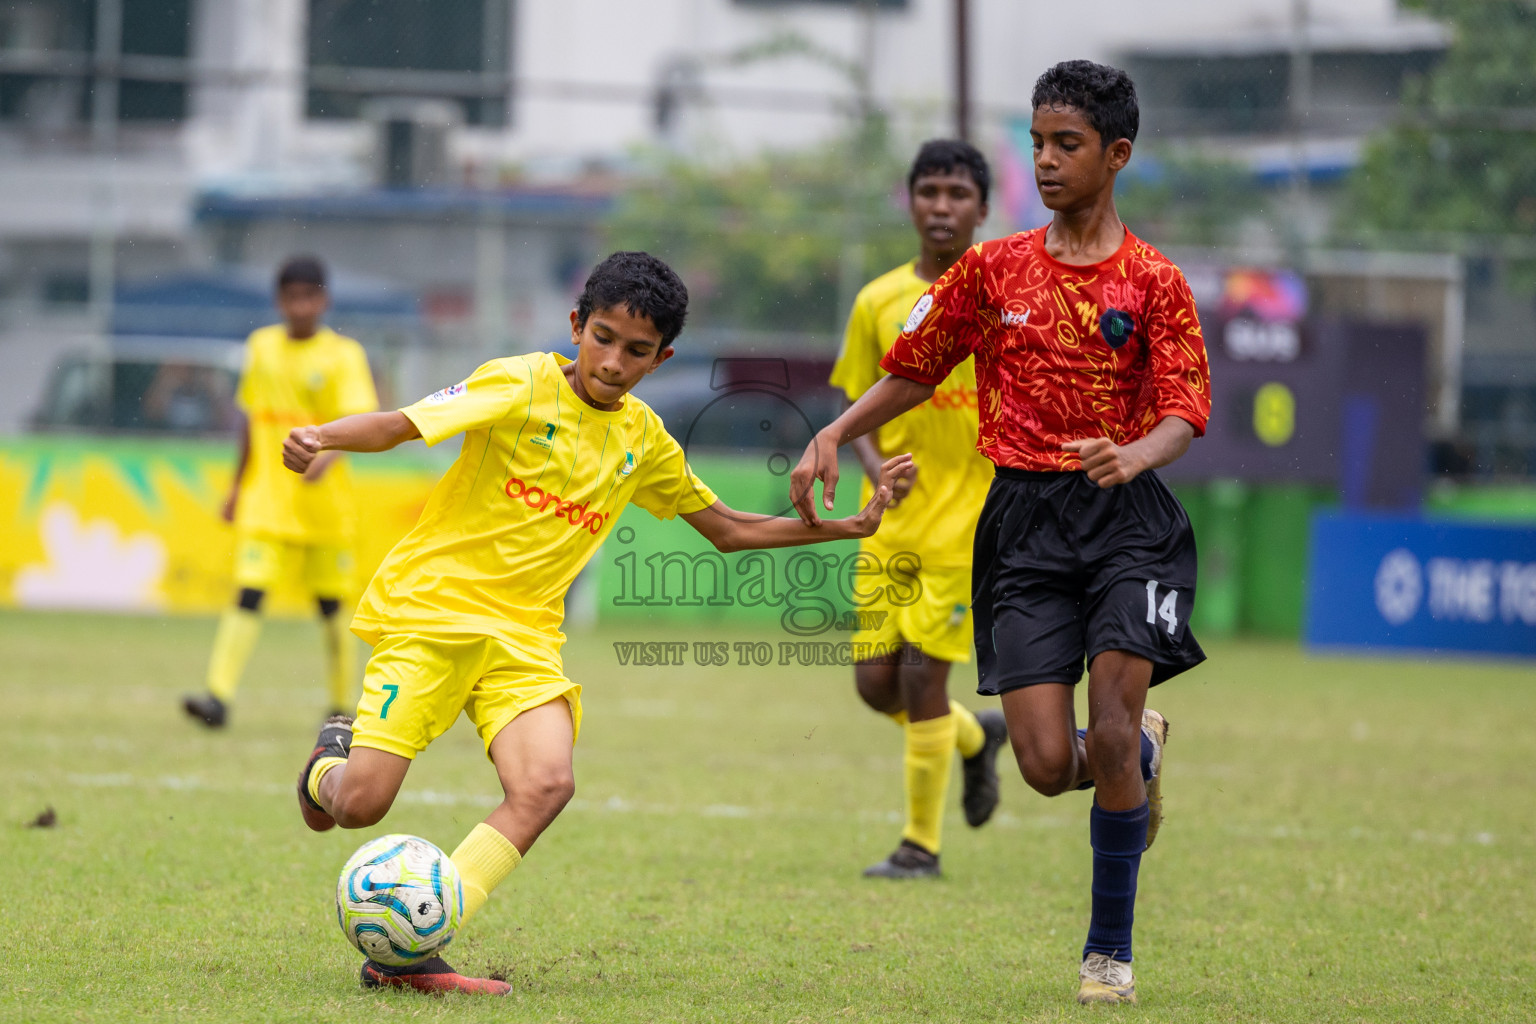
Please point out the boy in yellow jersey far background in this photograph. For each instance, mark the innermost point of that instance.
(464, 614)
(917, 631)
(296, 372)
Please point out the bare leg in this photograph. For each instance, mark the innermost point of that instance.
(1042, 726)
(878, 685)
(924, 687)
(533, 759)
(359, 793)
(1117, 694)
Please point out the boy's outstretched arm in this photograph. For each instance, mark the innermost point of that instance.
(730, 530)
(364, 432)
(890, 397)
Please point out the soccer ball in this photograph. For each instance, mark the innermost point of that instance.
(399, 900)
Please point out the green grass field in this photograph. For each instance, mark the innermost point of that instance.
(1346, 840)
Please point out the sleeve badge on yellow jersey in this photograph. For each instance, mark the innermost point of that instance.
(919, 311)
(447, 394)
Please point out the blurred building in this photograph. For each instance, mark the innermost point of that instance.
(465, 149)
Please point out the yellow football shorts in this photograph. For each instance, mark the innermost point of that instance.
(262, 562)
(416, 685)
(938, 621)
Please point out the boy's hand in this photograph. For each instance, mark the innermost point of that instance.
(301, 448)
(818, 463)
(895, 471)
(1105, 462)
(902, 486)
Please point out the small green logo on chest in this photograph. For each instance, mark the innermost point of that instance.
(546, 437)
(629, 464)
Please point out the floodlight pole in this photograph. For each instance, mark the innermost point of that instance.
(1300, 96)
(963, 70)
(104, 100)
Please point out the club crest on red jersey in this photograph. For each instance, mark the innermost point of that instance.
(1117, 327)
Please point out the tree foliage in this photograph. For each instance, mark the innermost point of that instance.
(766, 243)
(1180, 196)
(1462, 157)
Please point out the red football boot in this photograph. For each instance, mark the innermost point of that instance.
(432, 976)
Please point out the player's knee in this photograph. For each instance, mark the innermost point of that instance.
(1114, 744)
(878, 685)
(359, 806)
(1048, 781)
(547, 790)
(1046, 775)
(878, 694)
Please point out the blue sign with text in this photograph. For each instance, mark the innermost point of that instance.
(1392, 581)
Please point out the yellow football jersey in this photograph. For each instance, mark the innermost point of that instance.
(289, 383)
(937, 520)
(540, 480)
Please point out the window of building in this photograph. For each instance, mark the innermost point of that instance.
(50, 68)
(456, 50)
(884, 5)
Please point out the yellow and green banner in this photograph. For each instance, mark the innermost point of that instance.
(134, 525)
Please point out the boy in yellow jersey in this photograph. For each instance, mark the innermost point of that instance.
(296, 372)
(464, 614)
(927, 533)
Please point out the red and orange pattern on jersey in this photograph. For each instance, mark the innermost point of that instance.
(1062, 352)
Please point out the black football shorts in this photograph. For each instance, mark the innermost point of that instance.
(1065, 570)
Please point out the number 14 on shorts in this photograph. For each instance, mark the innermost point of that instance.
(1168, 610)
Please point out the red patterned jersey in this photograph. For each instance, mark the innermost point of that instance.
(1062, 352)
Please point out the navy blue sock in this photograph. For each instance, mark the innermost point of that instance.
(1118, 839)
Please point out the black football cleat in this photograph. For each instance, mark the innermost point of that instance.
(208, 709)
(979, 793)
(908, 861)
(432, 976)
(335, 740)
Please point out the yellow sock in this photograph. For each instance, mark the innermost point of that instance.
(232, 647)
(484, 859)
(340, 661)
(930, 749)
(969, 736)
(899, 717)
(317, 773)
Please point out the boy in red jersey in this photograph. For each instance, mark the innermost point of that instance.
(1091, 373)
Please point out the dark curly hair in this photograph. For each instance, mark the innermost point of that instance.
(301, 270)
(943, 156)
(643, 285)
(1106, 97)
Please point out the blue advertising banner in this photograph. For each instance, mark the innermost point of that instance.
(1401, 582)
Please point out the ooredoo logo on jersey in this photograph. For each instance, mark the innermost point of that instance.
(579, 514)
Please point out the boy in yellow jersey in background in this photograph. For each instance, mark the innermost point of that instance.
(464, 614)
(296, 372)
(927, 533)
